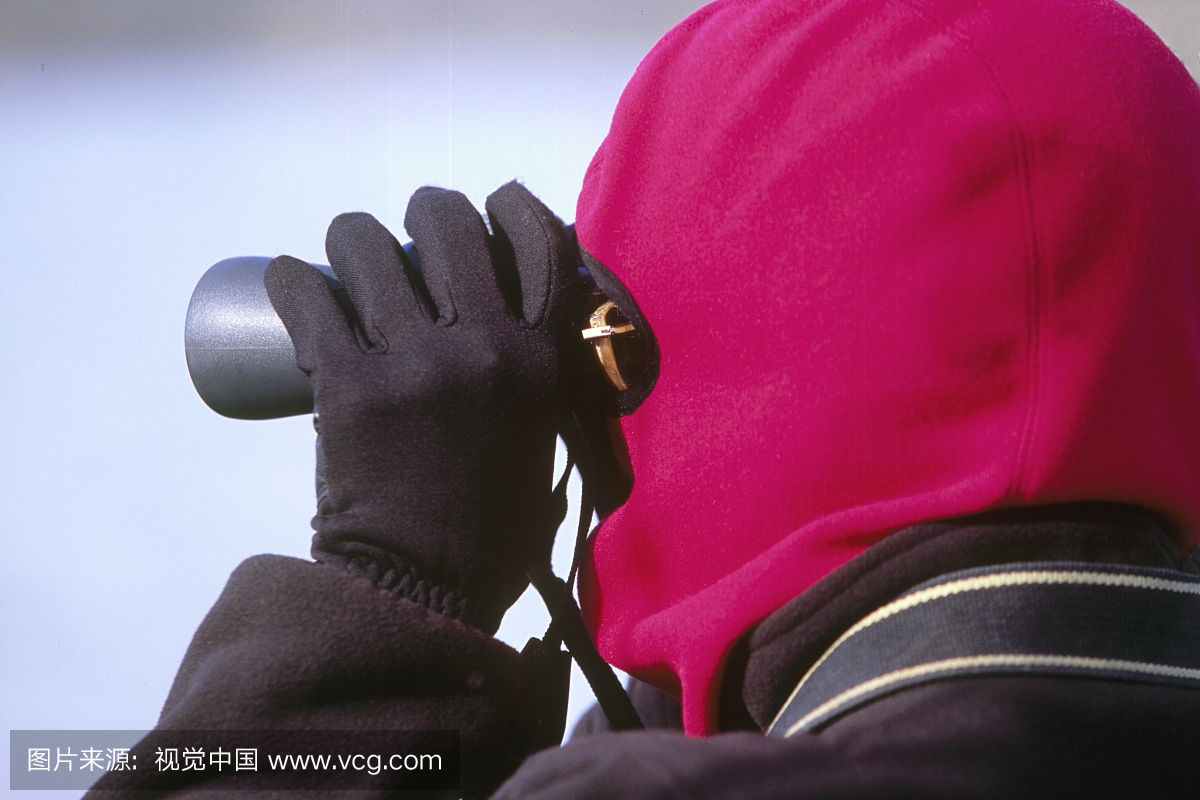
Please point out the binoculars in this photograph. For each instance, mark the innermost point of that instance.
(241, 358)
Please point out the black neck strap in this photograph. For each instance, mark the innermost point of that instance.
(566, 622)
(1105, 621)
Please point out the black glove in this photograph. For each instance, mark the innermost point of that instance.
(438, 394)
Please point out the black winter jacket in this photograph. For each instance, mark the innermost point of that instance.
(295, 645)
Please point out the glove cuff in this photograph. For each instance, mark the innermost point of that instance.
(407, 582)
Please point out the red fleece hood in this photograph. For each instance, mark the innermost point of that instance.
(904, 260)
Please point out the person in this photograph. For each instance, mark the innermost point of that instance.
(900, 482)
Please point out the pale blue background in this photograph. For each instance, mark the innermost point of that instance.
(140, 142)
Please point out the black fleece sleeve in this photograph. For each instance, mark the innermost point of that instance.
(292, 645)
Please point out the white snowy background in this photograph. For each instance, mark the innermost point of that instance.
(140, 142)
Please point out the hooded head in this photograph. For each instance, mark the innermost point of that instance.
(903, 260)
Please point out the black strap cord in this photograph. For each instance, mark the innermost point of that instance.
(566, 622)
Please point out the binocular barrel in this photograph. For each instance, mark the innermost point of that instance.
(238, 352)
(239, 355)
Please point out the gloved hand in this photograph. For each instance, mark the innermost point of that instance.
(438, 395)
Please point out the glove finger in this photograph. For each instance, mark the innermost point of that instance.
(539, 244)
(456, 261)
(302, 298)
(383, 287)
